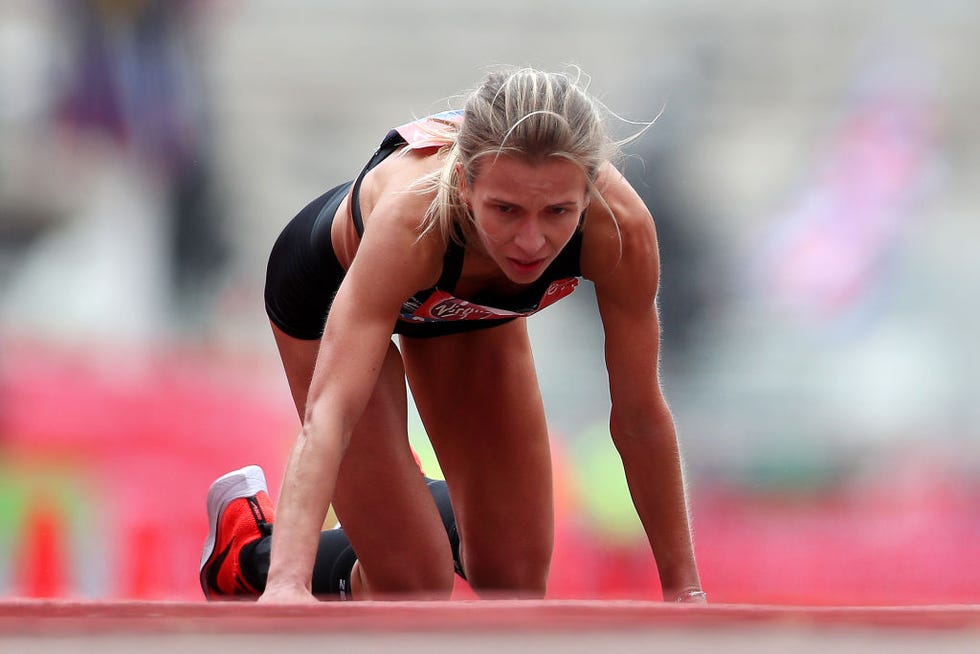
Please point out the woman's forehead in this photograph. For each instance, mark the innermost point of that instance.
(507, 166)
(507, 176)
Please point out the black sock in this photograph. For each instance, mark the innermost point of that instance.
(335, 559)
(254, 561)
(331, 572)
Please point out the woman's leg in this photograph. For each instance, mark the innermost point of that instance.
(335, 557)
(381, 496)
(298, 358)
(478, 396)
(382, 500)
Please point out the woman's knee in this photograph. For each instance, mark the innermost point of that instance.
(509, 571)
(402, 579)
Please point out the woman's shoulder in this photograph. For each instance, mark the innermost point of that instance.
(403, 186)
(617, 198)
(398, 184)
(618, 230)
(392, 211)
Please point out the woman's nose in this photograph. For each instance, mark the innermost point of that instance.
(529, 237)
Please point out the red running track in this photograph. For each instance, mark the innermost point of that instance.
(40, 627)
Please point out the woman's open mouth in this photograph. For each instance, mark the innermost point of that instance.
(527, 266)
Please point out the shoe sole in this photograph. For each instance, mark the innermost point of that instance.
(237, 484)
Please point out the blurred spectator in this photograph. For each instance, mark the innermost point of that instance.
(117, 224)
(26, 58)
(135, 78)
(830, 254)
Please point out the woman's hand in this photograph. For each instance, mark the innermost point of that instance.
(691, 596)
(287, 595)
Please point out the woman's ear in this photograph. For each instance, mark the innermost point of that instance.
(463, 186)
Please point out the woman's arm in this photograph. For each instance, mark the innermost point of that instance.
(390, 265)
(625, 268)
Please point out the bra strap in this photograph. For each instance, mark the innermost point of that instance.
(391, 142)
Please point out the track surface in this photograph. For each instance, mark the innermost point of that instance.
(41, 627)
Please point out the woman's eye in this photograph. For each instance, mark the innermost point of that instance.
(505, 208)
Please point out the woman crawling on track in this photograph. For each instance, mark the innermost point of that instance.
(459, 227)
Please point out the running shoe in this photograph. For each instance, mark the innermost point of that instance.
(239, 512)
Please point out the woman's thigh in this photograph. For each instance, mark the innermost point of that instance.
(381, 497)
(478, 396)
(298, 357)
(383, 502)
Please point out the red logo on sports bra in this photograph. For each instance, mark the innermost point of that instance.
(557, 290)
(441, 306)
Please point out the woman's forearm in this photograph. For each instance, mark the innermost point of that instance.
(307, 489)
(654, 473)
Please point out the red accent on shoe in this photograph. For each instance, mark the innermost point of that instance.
(238, 519)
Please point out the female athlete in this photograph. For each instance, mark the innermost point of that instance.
(458, 228)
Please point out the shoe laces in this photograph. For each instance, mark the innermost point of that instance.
(265, 528)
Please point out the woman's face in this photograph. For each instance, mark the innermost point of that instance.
(525, 213)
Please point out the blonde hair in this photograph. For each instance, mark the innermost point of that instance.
(525, 113)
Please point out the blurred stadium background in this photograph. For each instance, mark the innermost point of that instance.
(814, 176)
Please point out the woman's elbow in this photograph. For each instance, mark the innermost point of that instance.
(324, 428)
(641, 429)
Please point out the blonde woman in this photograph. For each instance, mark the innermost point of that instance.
(458, 228)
